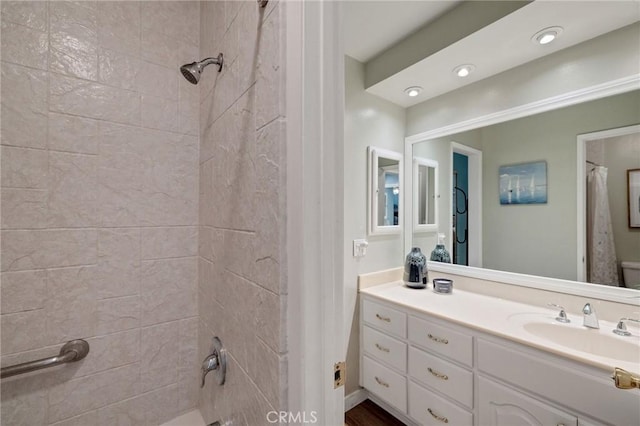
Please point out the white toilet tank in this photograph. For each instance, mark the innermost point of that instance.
(631, 274)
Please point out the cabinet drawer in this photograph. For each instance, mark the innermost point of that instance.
(442, 375)
(429, 409)
(443, 340)
(388, 385)
(385, 348)
(387, 319)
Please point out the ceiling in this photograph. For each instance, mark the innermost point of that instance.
(368, 29)
(371, 27)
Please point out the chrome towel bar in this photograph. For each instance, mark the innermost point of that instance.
(72, 351)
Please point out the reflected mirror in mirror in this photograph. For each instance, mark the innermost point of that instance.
(425, 175)
(540, 239)
(385, 194)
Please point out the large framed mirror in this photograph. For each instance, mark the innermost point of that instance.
(542, 239)
(385, 191)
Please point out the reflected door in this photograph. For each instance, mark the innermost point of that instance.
(460, 199)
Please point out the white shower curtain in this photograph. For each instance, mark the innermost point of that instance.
(601, 251)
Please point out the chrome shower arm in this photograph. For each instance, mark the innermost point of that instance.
(219, 61)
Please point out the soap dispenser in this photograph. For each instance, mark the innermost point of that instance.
(440, 254)
(415, 269)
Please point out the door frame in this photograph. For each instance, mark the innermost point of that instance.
(581, 170)
(474, 198)
(315, 330)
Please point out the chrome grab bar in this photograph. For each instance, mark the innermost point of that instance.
(72, 351)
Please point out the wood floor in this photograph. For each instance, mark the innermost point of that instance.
(369, 414)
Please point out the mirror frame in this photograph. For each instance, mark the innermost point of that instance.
(428, 227)
(614, 294)
(373, 153)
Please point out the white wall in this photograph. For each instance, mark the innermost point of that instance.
(369, 120)
(621, 154)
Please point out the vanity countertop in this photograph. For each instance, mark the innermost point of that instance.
(512, 320)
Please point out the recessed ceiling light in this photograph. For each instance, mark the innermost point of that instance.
(463, 70)
(413, 91)
(547, 35)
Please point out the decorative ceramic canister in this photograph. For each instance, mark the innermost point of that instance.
(415, 269)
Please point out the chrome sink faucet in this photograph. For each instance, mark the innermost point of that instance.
(590, 319)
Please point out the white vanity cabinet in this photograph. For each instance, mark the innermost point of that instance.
(419, 367)
(434, 372)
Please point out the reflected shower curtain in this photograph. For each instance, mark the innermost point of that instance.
(602, 267)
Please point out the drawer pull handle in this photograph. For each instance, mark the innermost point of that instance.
(437, 417)
(438, 375)
(381, 318)
(438, 339)
(382, 348)
(381, 383)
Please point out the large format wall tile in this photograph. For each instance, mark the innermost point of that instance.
(24, 208)
(99, 192)
(70, 304)
(168, 289)
(152, 77)
(23, 291)
(158, 243)
(87, 99)
(33, 14)
(23, 331)
(242, 208)
(118, 313)
(24, 249)
(73, 35)
(119, 26)
(24, 401)
(189, 373)
(118, 263)
(159, 113)
(71, 133)
(24, 168)
(72, 190)
(24, 106)
(87, 393)
(118, 69)
(159, 350)
(24, 46)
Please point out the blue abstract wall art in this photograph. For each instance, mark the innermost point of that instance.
(523, 183)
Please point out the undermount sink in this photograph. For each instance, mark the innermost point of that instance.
(595, 342)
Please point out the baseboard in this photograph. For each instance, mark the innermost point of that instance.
(355, 398)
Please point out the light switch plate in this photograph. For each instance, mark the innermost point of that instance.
(360, 248)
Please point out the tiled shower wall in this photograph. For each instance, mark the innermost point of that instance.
(242, 292)
(100, 209)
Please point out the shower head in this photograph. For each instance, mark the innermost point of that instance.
(193, 70)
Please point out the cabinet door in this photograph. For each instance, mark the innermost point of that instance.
(502, 406)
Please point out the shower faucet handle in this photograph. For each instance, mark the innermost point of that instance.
(562, 316)
(216, 361)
